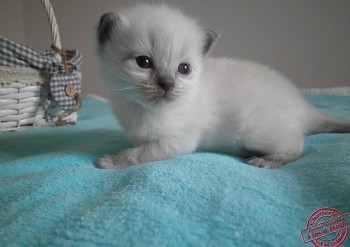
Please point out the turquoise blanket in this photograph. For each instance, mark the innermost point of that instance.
(51, 193)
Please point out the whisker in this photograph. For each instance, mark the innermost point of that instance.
(119, 75)
(123, 103)
(122, 88)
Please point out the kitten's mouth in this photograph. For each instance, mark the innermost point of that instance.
(163, 97)
(158, 97)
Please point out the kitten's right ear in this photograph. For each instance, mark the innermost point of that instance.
(210, 38)
(105, 28)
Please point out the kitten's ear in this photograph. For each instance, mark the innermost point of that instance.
(105, 28)
(209, 39)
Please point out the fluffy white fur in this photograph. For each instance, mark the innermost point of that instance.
(221, 105)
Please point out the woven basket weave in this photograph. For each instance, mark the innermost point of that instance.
(25, 92)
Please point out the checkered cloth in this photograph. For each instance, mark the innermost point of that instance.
(17, 55)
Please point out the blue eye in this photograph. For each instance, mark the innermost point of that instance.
(183, 68)
(144, 62)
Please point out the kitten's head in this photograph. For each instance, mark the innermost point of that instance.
(152, 54)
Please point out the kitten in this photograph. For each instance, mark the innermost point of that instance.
(172, 99)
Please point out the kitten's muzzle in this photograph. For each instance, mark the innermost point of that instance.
(167, 84)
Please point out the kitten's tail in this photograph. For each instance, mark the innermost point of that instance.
(327, 124)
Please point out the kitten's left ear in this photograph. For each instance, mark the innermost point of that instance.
(105, 28)
(209, 39)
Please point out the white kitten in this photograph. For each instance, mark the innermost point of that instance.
(171, 99)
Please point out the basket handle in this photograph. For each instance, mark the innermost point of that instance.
(61, 55)
(54, 28)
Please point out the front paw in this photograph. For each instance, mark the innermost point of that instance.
(108, 162)
(264, 162)
(120, 161)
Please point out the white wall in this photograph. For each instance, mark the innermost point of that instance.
(11, 19)
(307, 40)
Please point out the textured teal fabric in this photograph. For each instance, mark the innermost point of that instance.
(51, 193)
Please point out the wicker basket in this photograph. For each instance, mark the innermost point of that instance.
(26, 98)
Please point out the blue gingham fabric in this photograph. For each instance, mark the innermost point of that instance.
(18, 55)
